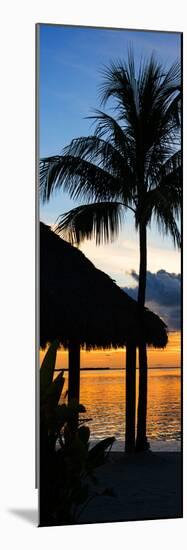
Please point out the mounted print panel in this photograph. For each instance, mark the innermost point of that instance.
(109, 234)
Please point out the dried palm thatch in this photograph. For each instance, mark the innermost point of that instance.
(81, 303)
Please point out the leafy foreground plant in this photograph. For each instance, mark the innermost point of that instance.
(67, 465)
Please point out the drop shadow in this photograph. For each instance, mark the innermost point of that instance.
(30, 515)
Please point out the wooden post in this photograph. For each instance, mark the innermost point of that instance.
(130, 397)
(74, 371)
(141, 440)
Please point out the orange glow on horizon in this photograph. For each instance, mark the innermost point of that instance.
(103, 391)
(168, 357)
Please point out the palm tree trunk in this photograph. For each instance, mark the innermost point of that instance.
(130, 397)
(141, 440)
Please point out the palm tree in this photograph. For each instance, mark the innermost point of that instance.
(131, 161)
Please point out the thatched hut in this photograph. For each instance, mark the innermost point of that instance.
(83, 307)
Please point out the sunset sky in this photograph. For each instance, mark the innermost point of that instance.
(116, 358)
(70, 63)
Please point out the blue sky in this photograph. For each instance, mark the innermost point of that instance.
(71, 60)
(70, 63)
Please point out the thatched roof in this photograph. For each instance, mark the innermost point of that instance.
(78, 301)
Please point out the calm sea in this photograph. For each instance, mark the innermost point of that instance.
(103, 393)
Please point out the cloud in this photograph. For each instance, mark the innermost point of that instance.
(119, 258)
(163, 295)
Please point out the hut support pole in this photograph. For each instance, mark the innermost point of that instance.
(74, 371)
(130, 397)
(141, 440)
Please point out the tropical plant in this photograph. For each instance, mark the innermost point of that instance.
(131, 161)
(67, 465)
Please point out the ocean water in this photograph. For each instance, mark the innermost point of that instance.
(103, 393)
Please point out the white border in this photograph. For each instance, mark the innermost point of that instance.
(18, 274)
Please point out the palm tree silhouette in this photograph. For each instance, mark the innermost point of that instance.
(131, 161)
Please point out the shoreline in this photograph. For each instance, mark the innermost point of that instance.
(156, 445)
(66, 369)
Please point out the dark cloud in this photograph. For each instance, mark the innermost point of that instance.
(163, 295)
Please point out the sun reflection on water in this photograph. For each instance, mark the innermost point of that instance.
(103, 391)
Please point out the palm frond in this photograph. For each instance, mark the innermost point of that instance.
(166, 222)
(164, 205)
(147, 103)
(79, 177)
(155, 157)
(90, 168)
(109, 127)
(114, 77)
(159, 104)
(171, 83)
(120, 83)
(50, 173)
(101, 221)
(102, 153)
(172, 165)
(164, 200)
(170, 183)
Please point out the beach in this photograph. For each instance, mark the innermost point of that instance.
(146, 485)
